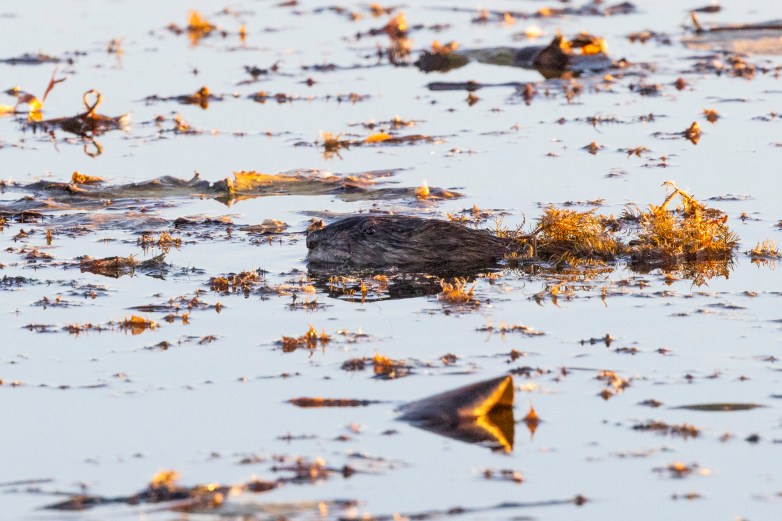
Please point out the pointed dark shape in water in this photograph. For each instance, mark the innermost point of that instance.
(477, 413)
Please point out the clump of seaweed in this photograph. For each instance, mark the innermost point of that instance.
(765, 253)
(765, 249)
(387, 369)
(458, 293)
(137, 324)
(691, 239)
(115, 267)
(308, 340)
(685, 430)
(243, 282)
(574, 237)
(690, 233)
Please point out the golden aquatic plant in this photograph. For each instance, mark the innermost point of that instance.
(378, 137)
(765, 253)
(308, 340)
(586, 44)
(448, 48)
(198, 27)
(691, 232)
(573, 237)
(332, 143)
(422, 192)
(165, 479)
(35, 105)
(765, 249)
(711, 115)
(693, 133)
(83, 179)
(388, 368)
(137, 324)
(456, 292)
(200, 98)
(397, 27)
(243, 281)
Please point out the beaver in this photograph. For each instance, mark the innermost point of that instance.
(383, 241)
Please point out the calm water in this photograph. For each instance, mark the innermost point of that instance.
(130, 411)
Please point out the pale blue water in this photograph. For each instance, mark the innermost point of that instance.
(186, 409)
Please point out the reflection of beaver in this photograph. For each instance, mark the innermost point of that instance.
(401, 241)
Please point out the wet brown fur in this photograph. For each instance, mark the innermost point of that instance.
(402, 241)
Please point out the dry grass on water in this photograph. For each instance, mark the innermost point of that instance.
(659, 236)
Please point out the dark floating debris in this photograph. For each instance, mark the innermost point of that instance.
(88, 123)
(588, 9)
(720, 407)
(560, 58)
(330, 402)
(747, 38)
(477, 413)
(244, 184)
(201, 97)
(578, 500)
(31, 59)
(164, 488)
(685, 430)
(115, 267)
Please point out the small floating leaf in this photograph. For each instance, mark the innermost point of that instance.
(379, 137)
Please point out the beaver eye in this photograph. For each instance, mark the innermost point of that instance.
(369, 230)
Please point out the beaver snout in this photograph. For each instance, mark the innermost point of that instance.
(312, 240)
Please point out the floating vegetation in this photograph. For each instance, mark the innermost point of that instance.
(330, 402)
(309, 340)
(115, 267)
(197, 28)
(684, 430)
(85, 124)
(679, 470)
(720, 407)
(614, 384)
(201, 97)
(333, 143)
(236, 282)
(244, 184)
(386, 368)
(690, 233)
(163, 488)
(137, 325)
(458, 293)
(765, 251)
(573, 237)
(510, 328)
